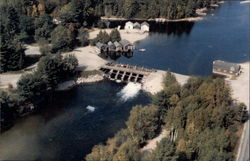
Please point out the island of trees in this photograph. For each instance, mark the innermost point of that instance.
(202, 120)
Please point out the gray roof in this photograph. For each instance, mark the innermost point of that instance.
(222, 65)
(117, 44)
(137, 24)
(145, 23)
(125, 42)
(110, 43)
(101, 45)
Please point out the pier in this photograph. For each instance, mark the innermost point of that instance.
(125, 73)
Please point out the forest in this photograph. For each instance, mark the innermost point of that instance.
(202, 120)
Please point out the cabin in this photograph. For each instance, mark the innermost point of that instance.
(137, 26)
(226, 68)
(126, 46)
(145, 27)
(111, 47)
(129, 25)
(118, 46)
(102, 48)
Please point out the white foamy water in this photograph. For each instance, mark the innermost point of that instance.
(131, 90)
(90, 108)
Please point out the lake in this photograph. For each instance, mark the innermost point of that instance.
(190, 48)
(76, 120)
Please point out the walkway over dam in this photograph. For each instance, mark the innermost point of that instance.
(125, 73)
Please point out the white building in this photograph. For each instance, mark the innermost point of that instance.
(129, 25)
(145, 27)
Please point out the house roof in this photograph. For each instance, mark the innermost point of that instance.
(144, 23)
(136, 24)
(129, 23)
(101, 45)
(226, 66)
(125, 42)
(110, 43)
(117, 44)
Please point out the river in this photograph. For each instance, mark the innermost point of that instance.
(76, 120)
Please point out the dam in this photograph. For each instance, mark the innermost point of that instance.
(125, 72)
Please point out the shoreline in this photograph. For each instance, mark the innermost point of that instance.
(246, 1)
(153, 82)
(191, 19)
(200, 12)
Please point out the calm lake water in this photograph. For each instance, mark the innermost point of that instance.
(66, 130)
(190, 48)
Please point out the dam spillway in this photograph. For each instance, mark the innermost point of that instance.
(125, 73)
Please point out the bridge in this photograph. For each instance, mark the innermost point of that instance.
(125, 73)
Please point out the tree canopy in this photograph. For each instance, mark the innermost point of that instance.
(200, 117)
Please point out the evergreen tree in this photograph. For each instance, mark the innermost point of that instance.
(115, 35)
(62, 39)
(44, 26)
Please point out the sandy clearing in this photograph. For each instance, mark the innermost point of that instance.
(153, 82)
(88, 58)
(151, 144)
(9, 79)
(240, 86)
(32, 50)
(90, 79)
(131, 35)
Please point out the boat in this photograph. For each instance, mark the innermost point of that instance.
(142, 50)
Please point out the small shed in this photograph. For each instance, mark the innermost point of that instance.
(127, 46)
(129, 25)
(145, 27)
(225, 68)
(118, 46)
(111, 46)
(136, 25)
(102, 47)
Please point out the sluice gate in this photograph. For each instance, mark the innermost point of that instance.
(125, 73)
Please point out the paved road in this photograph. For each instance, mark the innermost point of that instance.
(243, 152)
